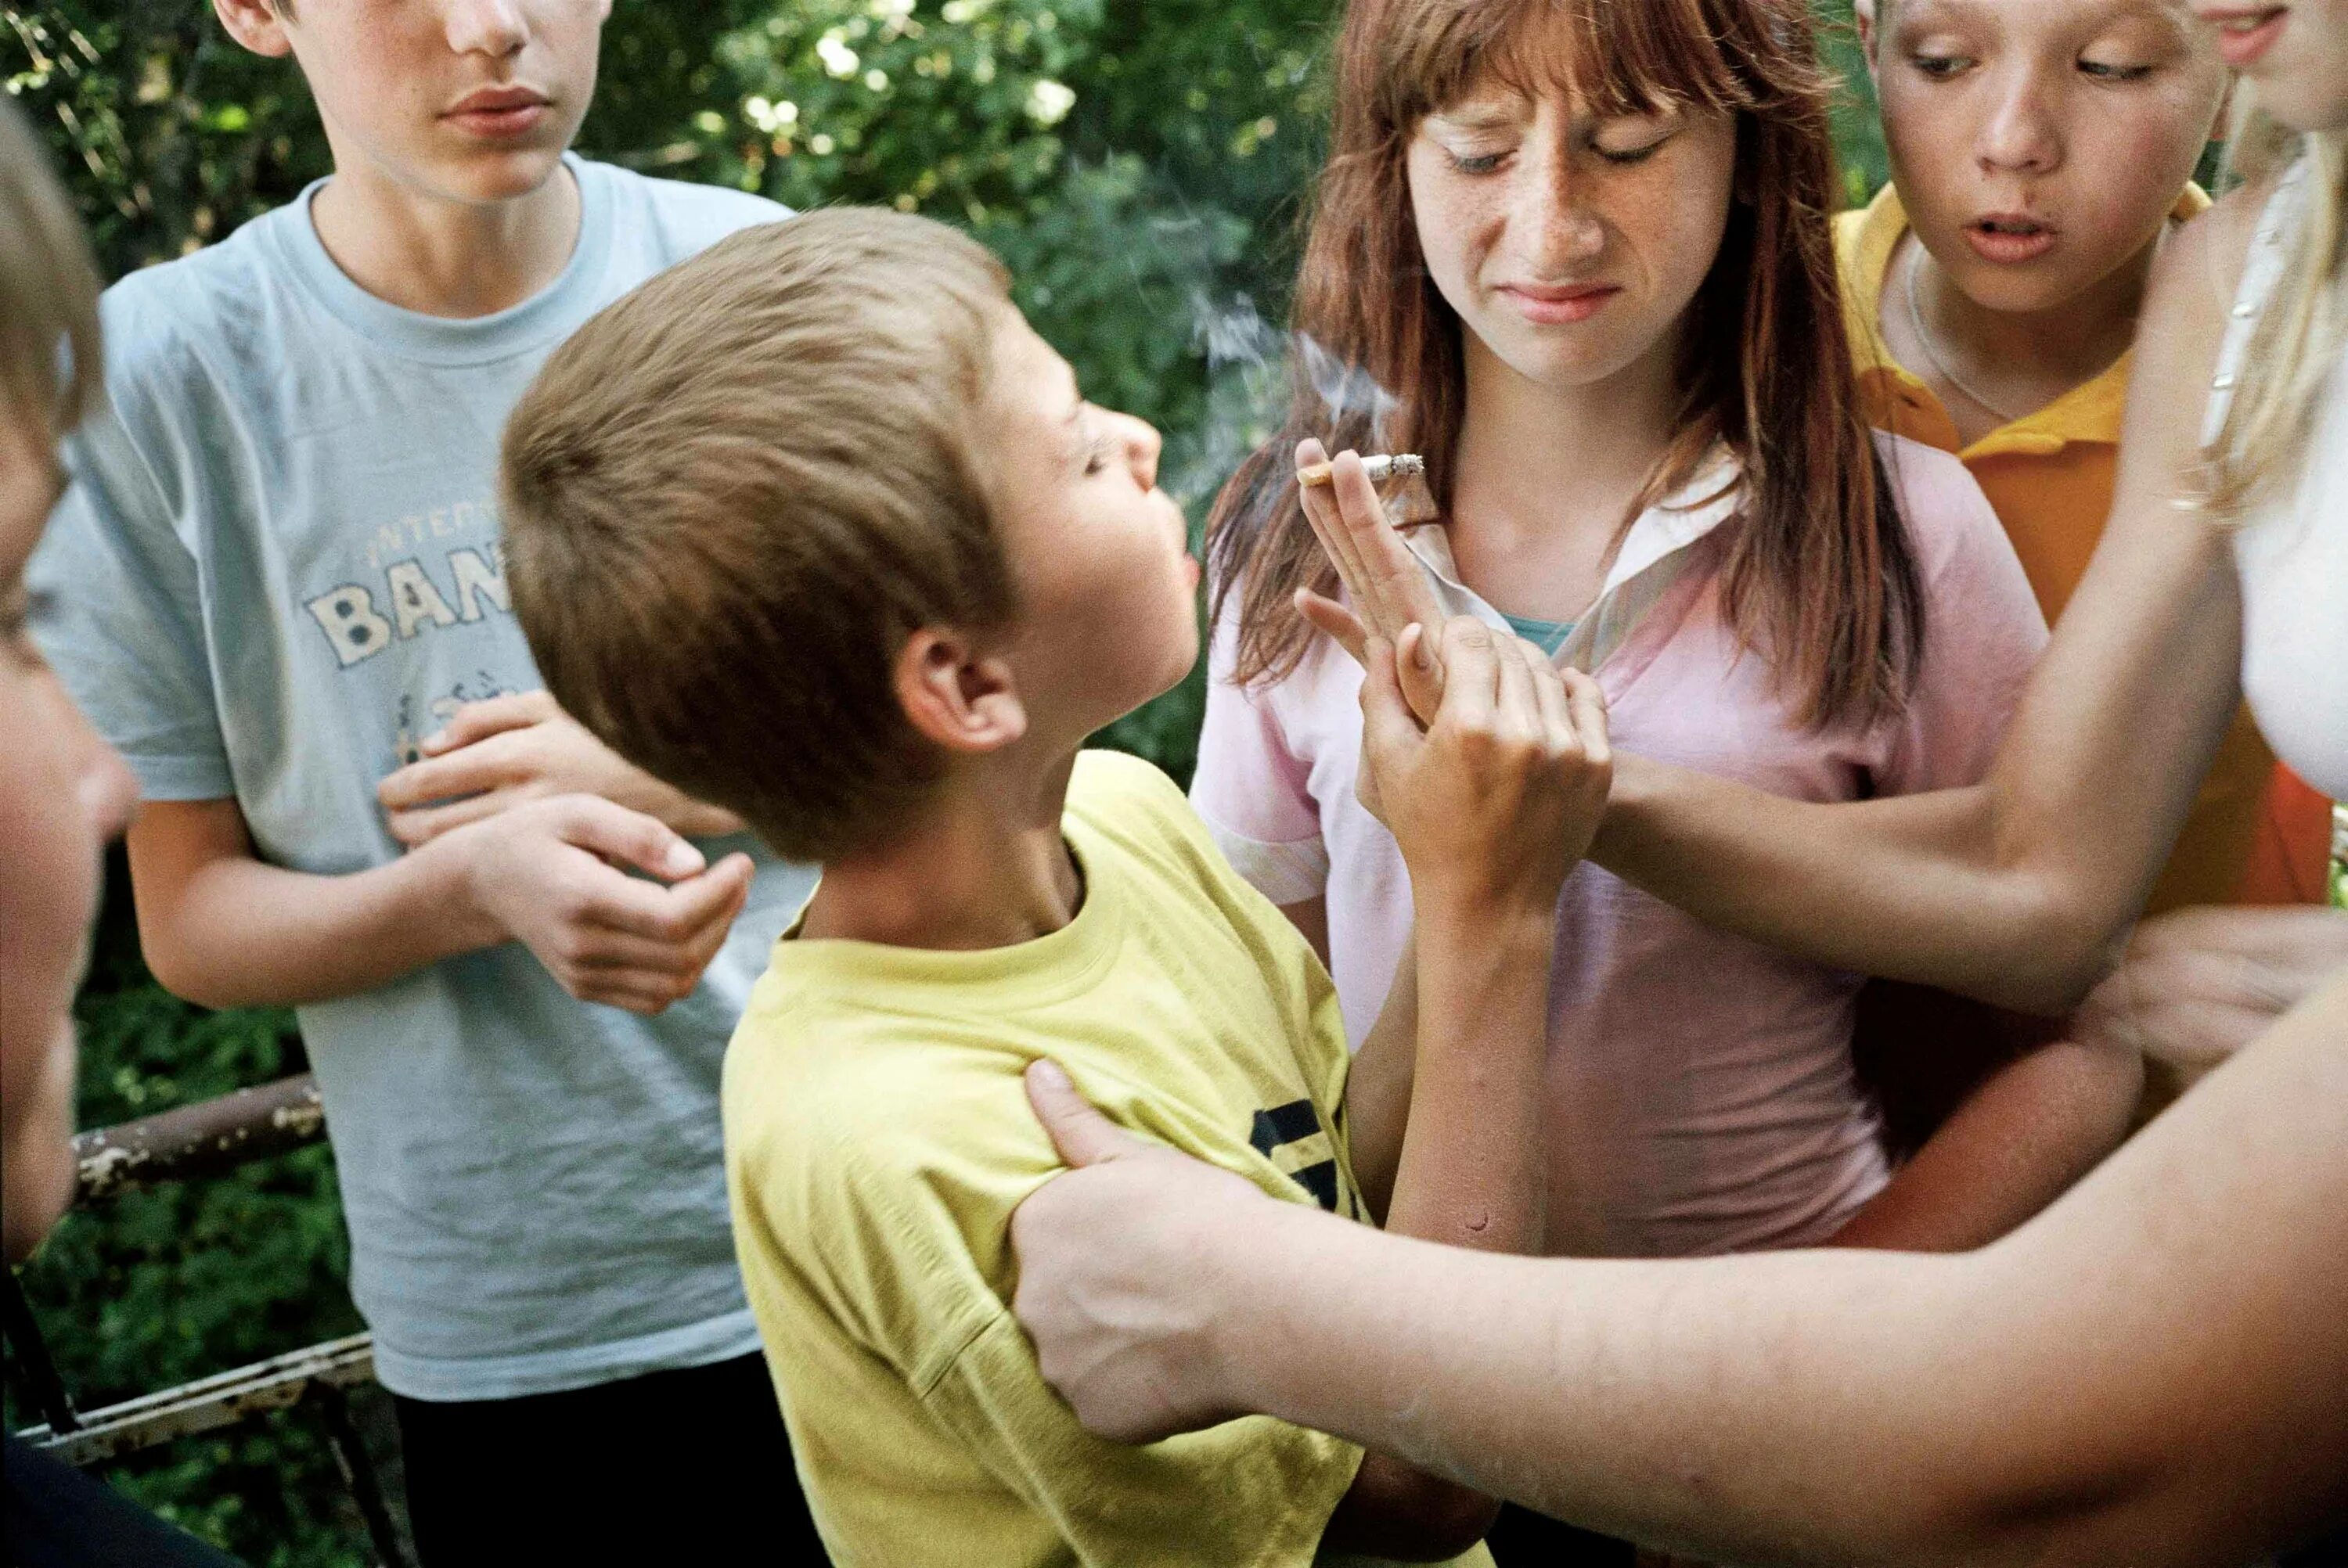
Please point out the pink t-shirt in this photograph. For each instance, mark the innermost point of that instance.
(1700, 1085)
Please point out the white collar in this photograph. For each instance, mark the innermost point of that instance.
(1664, 529)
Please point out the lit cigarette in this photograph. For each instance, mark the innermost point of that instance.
(1378, 468)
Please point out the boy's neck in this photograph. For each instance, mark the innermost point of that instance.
(441, 257)
(2020, 361)
(984, 866)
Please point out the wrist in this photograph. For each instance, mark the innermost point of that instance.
(446, 888)
(1241, 1349)
(1485, 911)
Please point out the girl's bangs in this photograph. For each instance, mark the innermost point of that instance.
(1620, 58)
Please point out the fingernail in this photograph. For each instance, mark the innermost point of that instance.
(1049, 1073)
(435, 740)
(683, 860)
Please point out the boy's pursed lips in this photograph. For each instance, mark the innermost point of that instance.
(500, 110)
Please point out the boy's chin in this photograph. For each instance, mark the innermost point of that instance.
(485, 176)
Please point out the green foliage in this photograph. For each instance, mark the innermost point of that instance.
(1141, 168)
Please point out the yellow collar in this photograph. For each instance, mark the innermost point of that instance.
(2091, 411)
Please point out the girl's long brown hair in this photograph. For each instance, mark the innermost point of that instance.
(1821, 574)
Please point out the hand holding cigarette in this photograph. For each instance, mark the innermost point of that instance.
(1391, 600)
(1379, 469)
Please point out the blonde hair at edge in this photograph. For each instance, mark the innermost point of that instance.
(48, 291)
(2264, 443)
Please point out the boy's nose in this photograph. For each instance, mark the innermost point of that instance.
(2020, 134)
(1143, 446)
(493, 27)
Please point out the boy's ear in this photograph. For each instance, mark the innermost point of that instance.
(956, 697)
(1862, 13)
(255, 24)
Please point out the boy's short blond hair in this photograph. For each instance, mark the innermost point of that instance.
(48, 291)
(731, 498)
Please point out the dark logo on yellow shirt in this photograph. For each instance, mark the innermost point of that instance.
(1286, 1126)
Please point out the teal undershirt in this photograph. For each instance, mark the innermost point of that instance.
(1549, 636)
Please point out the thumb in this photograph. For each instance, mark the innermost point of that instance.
(620, 835)
(1081, 1133)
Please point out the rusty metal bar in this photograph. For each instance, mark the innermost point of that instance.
(208, 1404)
(194, 1141)
(333, 1408)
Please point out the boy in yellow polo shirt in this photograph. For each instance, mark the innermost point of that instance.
(2040, 152)
(819, 523)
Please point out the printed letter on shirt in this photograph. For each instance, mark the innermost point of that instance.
(347, 616)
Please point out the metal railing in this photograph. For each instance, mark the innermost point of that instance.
(191, 1143)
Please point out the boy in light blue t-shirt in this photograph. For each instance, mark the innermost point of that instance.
(281, 594)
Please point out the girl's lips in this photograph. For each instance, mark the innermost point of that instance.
(2009, 242)
(1551, 307)
(2244, 35)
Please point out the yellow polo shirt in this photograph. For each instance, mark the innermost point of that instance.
(2256, 836)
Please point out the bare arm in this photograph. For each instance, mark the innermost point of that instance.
(2034, 1126)
(2019, 890)
(1491, 806)
(2147, 1373)
(1377, 1088)
(223, 929)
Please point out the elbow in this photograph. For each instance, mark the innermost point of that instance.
(179, 967)
(2059, 950)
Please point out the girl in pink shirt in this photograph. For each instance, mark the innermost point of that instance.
(1587, 246)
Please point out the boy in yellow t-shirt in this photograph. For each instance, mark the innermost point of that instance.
(2040, 152)
(818, 524)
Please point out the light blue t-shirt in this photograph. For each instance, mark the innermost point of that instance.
(1549, 636)
(278, 570)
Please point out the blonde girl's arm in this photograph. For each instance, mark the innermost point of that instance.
(2019, 890)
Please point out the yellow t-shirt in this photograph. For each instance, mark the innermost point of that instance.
(878, 1138)
(2049, 477)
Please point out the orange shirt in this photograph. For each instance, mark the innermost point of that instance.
(2257, 835)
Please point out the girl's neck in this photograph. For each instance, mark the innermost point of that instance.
(439, 257)
(2004, 365)
(986, 865)
(1545, 477)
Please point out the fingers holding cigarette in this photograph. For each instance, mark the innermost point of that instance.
(1377, 469)
(1387, 588)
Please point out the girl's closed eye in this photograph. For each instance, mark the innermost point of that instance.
(1633, 154)
(2113, 70)
(1476, 162)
